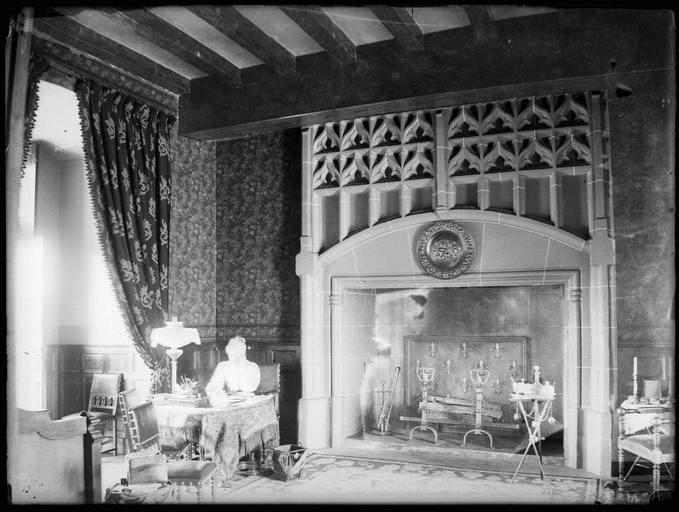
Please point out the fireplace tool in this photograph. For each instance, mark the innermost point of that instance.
(425, 375)
(479, 378)
(386, 402)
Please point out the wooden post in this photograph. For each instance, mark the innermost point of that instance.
(92, 457)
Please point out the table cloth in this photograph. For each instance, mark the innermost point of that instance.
(225, 434)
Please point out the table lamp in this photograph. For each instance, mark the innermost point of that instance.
(174, 335)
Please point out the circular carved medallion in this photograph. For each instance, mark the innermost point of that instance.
(445, 250)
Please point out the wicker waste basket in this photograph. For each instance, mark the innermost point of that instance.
(288, 461)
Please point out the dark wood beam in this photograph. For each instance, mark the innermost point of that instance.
(482, 23)
(571, 56)
(66, 65)
(318, 25)
(234, 25)
(82, 39)
(401, 25)
(170, 38)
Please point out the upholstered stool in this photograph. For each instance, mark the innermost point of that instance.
(192, 474)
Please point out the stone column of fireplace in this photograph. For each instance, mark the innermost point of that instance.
(314, 406)
(597, 361)
(572, 372)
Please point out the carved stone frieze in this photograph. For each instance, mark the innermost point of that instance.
(529, 157)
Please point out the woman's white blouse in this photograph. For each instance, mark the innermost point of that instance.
(230, 377)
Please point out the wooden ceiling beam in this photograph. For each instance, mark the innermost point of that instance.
(65, 62)
(170, 38)
(482, 23)
(401, 25)
(318, 25)
(237, 27)
(464, 71)
(84, 40)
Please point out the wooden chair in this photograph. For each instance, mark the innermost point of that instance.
(142, 432)
(270, 382)
(655, 445)
(103, 406)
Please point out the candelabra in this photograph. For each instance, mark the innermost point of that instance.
(425, 375)
(479, 377)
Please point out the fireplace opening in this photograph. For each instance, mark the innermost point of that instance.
(390, 337)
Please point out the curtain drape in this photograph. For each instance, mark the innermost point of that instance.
(127, 159)
(36, 68)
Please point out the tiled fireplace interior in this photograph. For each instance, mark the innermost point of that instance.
(507, 329)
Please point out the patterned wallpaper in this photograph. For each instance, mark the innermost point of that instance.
(192, 234)
(258, 226)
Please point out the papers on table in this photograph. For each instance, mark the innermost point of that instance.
(237, 400)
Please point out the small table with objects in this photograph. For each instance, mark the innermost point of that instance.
(534, 402)
(224, 434)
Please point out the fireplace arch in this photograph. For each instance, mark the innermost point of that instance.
(512, 249)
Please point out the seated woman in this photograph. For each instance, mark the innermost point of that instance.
(237, 375)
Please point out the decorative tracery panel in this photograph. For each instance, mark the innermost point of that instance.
(529, 157)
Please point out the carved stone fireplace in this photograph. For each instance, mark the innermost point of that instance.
(525, 179)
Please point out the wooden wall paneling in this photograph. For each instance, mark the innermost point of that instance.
(204, 363)
(74, 367)
(52, 379)
(291, 388)
(70, 394)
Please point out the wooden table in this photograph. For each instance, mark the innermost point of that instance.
(224, 434)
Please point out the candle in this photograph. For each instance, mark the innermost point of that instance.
(634, 367)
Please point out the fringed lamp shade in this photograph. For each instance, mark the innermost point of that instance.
(174, 335)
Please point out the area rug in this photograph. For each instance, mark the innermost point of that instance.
(341, 479)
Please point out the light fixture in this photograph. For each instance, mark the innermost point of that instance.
(174, 335)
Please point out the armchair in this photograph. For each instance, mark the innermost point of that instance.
(655, 444)
(142, 432)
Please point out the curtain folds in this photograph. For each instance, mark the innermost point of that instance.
(127, 162)
(36, 68)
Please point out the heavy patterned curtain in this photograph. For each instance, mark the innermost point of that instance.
(127, 159)
(36, 67)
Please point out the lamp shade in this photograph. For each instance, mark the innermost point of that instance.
(174, 335)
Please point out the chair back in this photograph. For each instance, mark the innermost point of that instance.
(270, 378)
(141, 425)
(104, 393)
